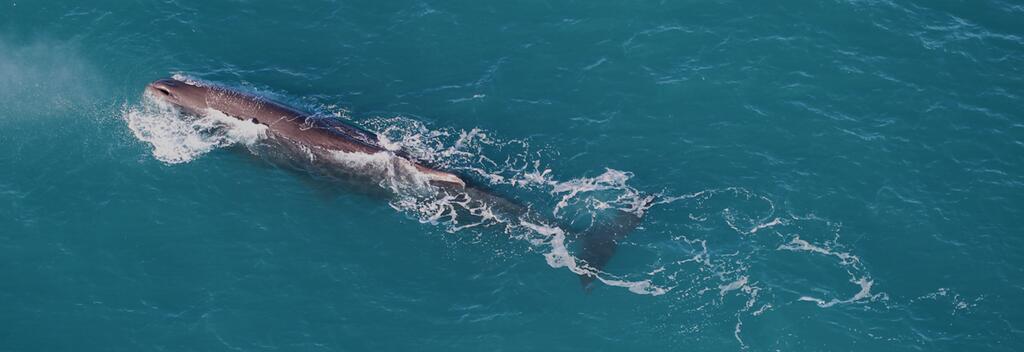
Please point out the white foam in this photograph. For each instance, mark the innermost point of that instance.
(732, 286)
(797, 244)
(776, 221)
(761, 310)
(628, 198)
(737, 330)
(392, 172)
(180, 138)
(846, 259)
(864, 293)
(559, 257)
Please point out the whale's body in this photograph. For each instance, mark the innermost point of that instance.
(317, 135)
(325, 137)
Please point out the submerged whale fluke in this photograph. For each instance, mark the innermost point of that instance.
(600, 242)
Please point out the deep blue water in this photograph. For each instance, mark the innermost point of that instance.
(829, 176)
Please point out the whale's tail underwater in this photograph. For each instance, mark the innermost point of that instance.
(601, 241)
(304, 137)
(598, 242)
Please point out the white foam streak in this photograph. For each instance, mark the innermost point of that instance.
(845, 259)
(759, 227)
(864, 293)
(559, 257)
(797, 244)
(732, 286)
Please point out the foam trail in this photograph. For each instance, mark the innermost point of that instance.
(177, 138)
(469, 150)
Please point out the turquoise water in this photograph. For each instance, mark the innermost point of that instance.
(829, 176)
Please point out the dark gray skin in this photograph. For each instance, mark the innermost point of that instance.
(321, 135)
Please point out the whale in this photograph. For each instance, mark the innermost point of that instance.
(319, 137)
(317, 134)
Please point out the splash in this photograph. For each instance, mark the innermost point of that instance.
(180, 138)
(396, 174)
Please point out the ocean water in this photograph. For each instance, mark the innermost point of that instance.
(823, 176)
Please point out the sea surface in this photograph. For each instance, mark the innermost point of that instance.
(813, 176)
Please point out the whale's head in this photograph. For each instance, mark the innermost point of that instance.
(190, 97)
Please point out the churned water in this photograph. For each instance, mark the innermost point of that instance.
(814, 176)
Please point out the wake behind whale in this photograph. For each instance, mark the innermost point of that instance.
(327, 146)
(718, 253)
